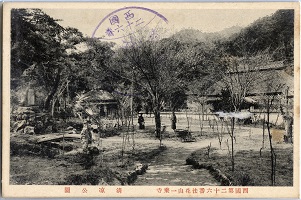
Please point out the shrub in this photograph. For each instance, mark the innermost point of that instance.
(75, 123)
(97, 176)
(28, 149)
(241, 178)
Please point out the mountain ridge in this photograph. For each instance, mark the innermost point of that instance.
(190, 34)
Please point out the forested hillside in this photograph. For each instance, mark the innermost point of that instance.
(273, 34)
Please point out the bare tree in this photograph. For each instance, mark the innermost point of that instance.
(230, 129)
(158, 66)
(242, 74)
(124, 97)
(201, 100)
(142, 63)
(270, 104)
(221, 131)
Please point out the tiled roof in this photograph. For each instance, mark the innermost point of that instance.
(262, 82)
(99, 95)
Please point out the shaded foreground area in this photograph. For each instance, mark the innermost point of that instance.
(35, 163)
(251, 168)
(39, 164)
(169, 168)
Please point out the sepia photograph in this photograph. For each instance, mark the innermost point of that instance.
(151, 100)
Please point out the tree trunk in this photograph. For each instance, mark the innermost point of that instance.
(157, 122)
(263, 129)
(53, 106)
(272, 159)
(202, 112)
(188, 125)
(220, 135)
(49, 99)
(50, 96)
(173, 120)
(272, 153)
(232, 142)
(123, 120)
(201, 123)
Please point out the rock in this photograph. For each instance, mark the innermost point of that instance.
(141, 168)
(19, 125)
(48, 129)
(138, 166)
(115, 182)
(70, 128)
(74, 152)
(217, 174)
(102, 182)
(94, 151)
(131, 177)
(192, 161)
(67, 147)
(29, 130)
(39, 126)
(224, 180)
(72, 132)
(25, 110)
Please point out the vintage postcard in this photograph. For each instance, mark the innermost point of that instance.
(151, 100)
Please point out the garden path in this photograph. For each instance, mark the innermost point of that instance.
(169, 168)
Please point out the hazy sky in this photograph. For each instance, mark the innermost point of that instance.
(205, 20)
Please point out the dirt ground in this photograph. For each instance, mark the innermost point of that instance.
(166, 165)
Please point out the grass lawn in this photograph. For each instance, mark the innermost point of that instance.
(34, 164)
(251, 169)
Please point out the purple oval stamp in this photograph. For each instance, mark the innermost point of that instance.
(123, 22)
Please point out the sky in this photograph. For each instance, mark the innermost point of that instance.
(212, 20)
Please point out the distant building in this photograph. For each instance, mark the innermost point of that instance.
(264, 84)
(103, 101)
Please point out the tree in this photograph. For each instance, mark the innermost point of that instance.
(39, 55)
(163, 68)
(123, 95)
(58, 62)
(275, 33)
(175, 99)
(251, 50)
(86, 69)
(94, 63)
(242, 74)
(206, 75)
(33, 37)
(145, 61)
(269, 105)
